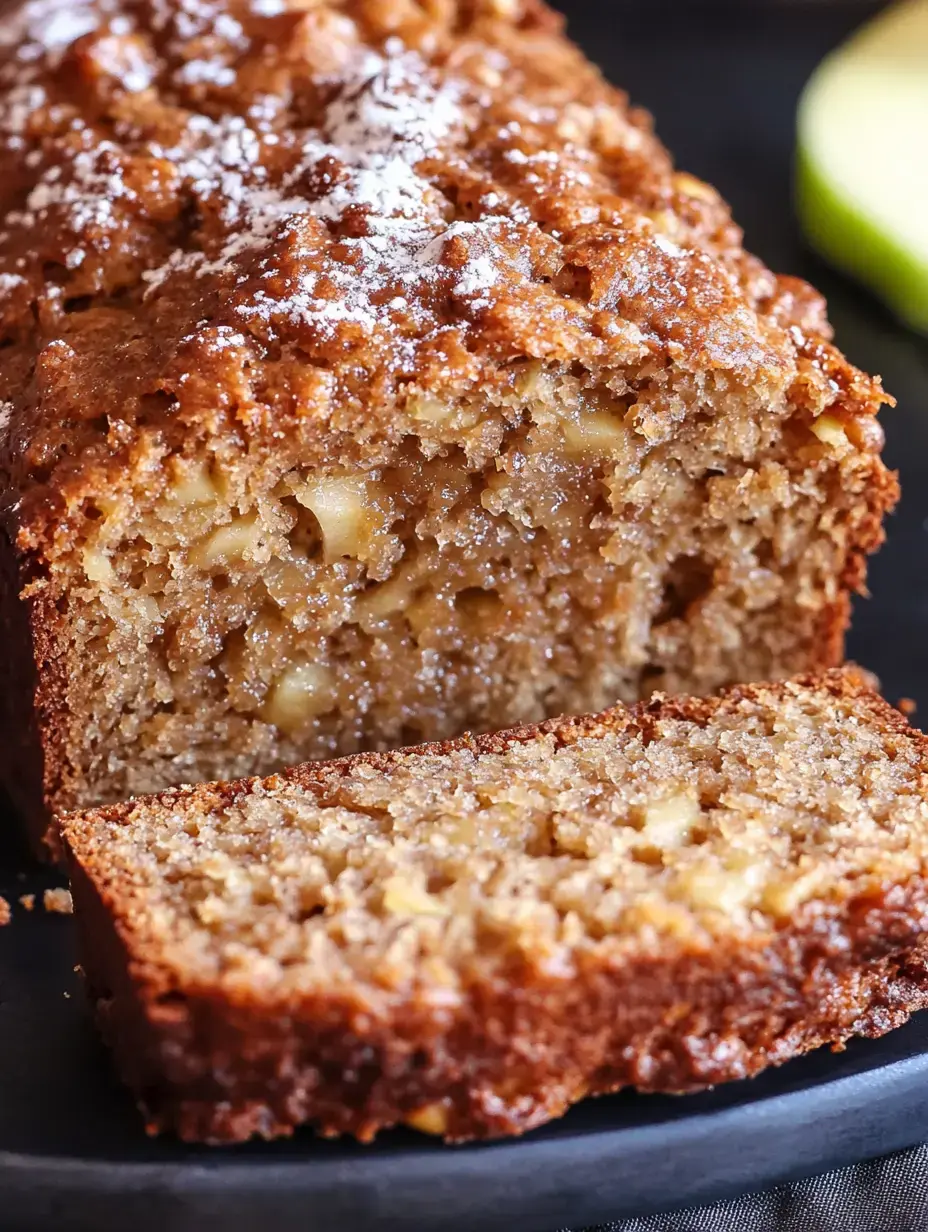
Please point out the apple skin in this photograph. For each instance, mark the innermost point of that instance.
(843, 235)
(861, 171)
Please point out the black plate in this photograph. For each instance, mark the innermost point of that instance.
(723, 83)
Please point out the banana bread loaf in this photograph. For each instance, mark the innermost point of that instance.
(368, 374)
(469, 937)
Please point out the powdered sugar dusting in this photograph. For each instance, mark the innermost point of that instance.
(9, 282)
(85, 189)
(387, 231)
(47, 28)
(668, 246)
(192, 19)
(217, 35)
(387, 118)
(16, 109)
(478, 277)
(123, 60)
(391, 108)
(206, 72)
(49, 25)
(481, 271)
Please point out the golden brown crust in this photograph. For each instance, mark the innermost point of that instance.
(522, 1046)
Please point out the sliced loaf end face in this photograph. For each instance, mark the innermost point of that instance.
(469, 937)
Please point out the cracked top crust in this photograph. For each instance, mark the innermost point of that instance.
(259, 217)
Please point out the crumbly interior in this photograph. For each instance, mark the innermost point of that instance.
(618, 840)
(553, 552)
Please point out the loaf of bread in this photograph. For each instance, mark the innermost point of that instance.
(469, 937)
(369, 375)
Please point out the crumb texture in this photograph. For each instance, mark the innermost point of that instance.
(370, 374)
(725, 851)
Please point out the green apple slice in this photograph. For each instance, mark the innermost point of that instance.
(862, 167)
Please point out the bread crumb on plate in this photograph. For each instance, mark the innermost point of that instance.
(58, 902)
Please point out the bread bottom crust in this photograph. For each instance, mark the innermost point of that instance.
(518, 1051)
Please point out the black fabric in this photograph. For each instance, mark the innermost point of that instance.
(884, 1195)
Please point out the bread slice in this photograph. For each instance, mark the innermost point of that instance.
(469, 937)
(369, 375)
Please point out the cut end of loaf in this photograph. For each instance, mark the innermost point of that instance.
(557, 562)
(666, 897)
